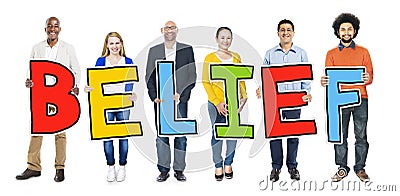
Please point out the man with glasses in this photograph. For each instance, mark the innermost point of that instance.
(185, 70)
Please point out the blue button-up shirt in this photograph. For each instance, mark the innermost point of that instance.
(276, 55)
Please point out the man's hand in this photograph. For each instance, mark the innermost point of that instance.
(324, 81)
(258, 93)
(157, 100)
(75, 91)
(28, 83)
(176, 97)
(365, 77)
(307, 98)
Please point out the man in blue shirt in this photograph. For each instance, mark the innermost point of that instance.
(286, 52)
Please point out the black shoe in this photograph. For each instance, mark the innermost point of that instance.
(274, 175)
(28, 173)
(219, 177)
(180, 176)
(294, 174)
(162, 177)
(229, 175)
(59, 177)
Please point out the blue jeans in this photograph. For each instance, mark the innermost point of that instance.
(180, 143)
(360, 119)
(292, 145)
(216, 145)
(123, 143)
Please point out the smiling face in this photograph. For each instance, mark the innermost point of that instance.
(346, 32)
(224, 39)
(170, 31)
(285, 33)
(52, 29)
(114, 45)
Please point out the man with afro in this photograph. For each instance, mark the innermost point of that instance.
(348, 53)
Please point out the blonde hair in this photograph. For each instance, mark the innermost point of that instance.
(106, 51)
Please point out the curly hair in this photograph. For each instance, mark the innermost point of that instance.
(343, 18)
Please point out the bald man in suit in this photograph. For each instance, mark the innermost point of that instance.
(185, 70)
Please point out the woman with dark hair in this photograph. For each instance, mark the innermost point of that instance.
(217, 106)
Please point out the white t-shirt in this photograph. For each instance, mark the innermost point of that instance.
(170, 54)
(230, 60)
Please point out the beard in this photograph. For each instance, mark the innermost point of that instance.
(346, 40)
(169, 37)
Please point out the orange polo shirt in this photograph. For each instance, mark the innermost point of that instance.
(349, 56)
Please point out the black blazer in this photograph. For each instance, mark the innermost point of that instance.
(185, 69)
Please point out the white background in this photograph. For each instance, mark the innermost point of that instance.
(85, 24)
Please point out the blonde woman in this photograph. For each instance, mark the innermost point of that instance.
(113, 54)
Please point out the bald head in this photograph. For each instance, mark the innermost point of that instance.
(170, 31)
(170, 23)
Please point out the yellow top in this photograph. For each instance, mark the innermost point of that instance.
(215, 90)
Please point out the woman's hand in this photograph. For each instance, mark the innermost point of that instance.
(221, 108)
(87, 89)
(242, 103)
(133, 97)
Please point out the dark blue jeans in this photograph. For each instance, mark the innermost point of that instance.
(123, 143)
(360, 119)
(292, 145)
(180, 143)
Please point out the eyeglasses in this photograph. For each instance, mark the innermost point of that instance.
(169, 28)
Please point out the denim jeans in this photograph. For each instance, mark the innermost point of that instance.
(180, 143)
(360, 119)
(216, 145)
(123, 143)
(292, 145)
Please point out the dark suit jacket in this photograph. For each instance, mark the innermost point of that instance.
(185, 70)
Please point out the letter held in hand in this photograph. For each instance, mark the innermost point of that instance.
(169, 121)
(101, 102)
(231, 74)
(54, 108)
(336, 98)
(275, 101)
